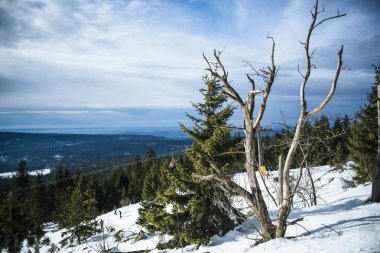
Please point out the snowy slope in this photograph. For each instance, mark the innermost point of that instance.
(339, 223)
(31, 173)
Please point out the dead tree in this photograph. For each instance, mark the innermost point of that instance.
(375, 194)
(304, 115)
(251, 124)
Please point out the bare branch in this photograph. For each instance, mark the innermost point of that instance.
(332, 229)
(295, 221)
(208, 63)
(271, 76)
(228, 183)
(224, 78)
(333, 86)
(229, 127)
(302, 43)
(329, 18)
(230, 153)
(298, 68)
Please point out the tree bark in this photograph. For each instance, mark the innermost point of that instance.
(261, 210)
(304, 114)
(36, 245)
(314, 194)
(280, 180)
(255, 197)
(375, 195)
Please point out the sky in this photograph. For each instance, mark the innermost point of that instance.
(116, 64)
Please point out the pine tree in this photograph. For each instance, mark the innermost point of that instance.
(12, 227)
(321, 134)
(136, 177)
(22, 176)
(363, 140)
(39, 212)
(198, 210)
(211, 140)
(78, 214)
(60, 192)
(339, 143)
(15, 214)
(152, 211)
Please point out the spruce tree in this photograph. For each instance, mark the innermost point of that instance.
(363, 140)
(339, 142)
(22, 176)
(173, 201)
(12, 227)
(38, 210)
(59, 193)
(211, 141)
(78, 214)
(15, 215)
(152, 212)
(188, 209)
(136, 177)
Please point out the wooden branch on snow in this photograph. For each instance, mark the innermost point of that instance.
(332, 229)
(294, 221)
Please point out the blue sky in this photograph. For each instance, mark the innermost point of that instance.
(91, 63)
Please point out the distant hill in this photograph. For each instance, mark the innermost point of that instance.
(80, 150)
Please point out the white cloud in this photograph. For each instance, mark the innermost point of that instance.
(149, 53)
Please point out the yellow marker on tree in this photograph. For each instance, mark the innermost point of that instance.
(263, 171)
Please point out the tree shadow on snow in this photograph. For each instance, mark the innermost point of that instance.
(339, 206)
(345, 224)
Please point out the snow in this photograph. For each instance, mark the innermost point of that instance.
(32, 173)
(340, 222)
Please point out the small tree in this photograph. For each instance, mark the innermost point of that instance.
(22, 176)
(341, 131)
(136, 177)
(78, 214)
(38, 212)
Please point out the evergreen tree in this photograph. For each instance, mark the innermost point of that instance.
(363, 140)
(136, 178)
(14, 213)
(22, 176)
(13, 230)
(339, 143)
(60, 192)
(198, 209)
(38, 211)
(320, 137)
(152, 211)
(78, 213)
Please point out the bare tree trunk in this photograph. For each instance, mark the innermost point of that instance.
(261, 210)
(260, 156)
(36, 245)
(375, 195)
(304, 114)
(286, 201)
(255, 198)
(280, 179)
(314, 194)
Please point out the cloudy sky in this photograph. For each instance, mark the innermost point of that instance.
(93, 63)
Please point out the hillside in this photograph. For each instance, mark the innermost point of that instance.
(340, 222)
(80, 150)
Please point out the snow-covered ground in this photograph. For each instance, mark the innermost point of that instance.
(32, 173)
(340, 222)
